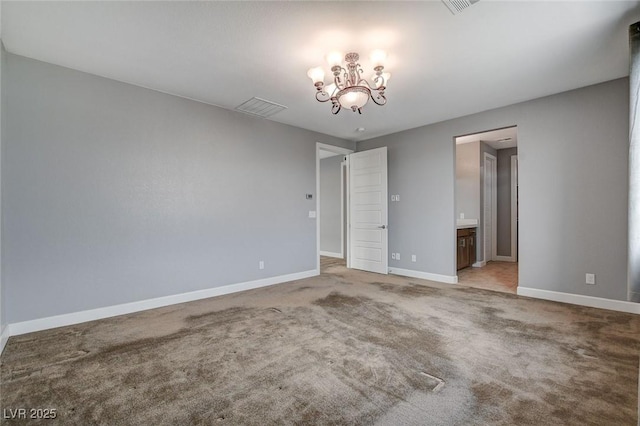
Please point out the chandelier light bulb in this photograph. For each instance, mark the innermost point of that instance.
(316, 75)
(334, 58)
(378, 57)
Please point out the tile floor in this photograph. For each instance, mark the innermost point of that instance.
(497, 276)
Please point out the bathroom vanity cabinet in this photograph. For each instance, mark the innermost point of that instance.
(466, 247)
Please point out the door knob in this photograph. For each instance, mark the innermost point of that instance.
(382, 227)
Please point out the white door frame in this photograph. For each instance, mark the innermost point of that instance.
(514, 208)
(491, 160)
(341, 151)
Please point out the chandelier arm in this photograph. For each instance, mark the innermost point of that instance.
(382, 79)
(366, 83)
(347, 81)
(335, 108)
(336, 77)
(379, 95)
(359, 73)
(322, 96)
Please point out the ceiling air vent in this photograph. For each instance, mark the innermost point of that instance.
(457, 6)
(260, 107)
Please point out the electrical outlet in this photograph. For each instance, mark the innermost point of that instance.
(312, 214)
(590, 279)
(261, 264)
(461, 215)
(393, 256)
(413, 258)
(393, 198)
(397, 256)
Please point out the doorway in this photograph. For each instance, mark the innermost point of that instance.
(487, 209)
(331, 204)
(361, 238)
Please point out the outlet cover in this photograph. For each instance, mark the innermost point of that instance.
(590, 279)
(261, 264)
(393, 256)
(413, 258)
(397, 256)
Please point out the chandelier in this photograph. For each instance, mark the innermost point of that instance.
(349, 89)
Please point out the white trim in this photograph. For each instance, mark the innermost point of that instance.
(514, 208)
(331, 254)
(479, 264)
(578, 299)
(4, 336)
(449, 279)
(347, 166)
(503, 259)
(143, 305)
(337, 150)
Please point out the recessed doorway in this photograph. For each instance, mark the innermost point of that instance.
(331, 203)
(487, 209)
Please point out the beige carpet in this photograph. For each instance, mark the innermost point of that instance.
(347, 347)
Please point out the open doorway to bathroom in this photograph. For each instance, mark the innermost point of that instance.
(487, 209)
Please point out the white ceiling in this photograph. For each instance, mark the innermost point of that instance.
(497, 139)
(443, 66)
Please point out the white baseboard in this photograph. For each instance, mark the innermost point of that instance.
(4, 336)
(331, 254)
(578, 299)
(143, 305)
(505, 259)
(480, 264)
(449, 279)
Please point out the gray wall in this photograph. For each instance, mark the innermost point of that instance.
(468, 180)
(504, 200)
(114, 193)
(573, 204)
(330, 204)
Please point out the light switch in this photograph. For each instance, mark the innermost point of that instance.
(312, 214)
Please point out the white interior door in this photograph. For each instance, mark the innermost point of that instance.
(368, 234)
(490, 207)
